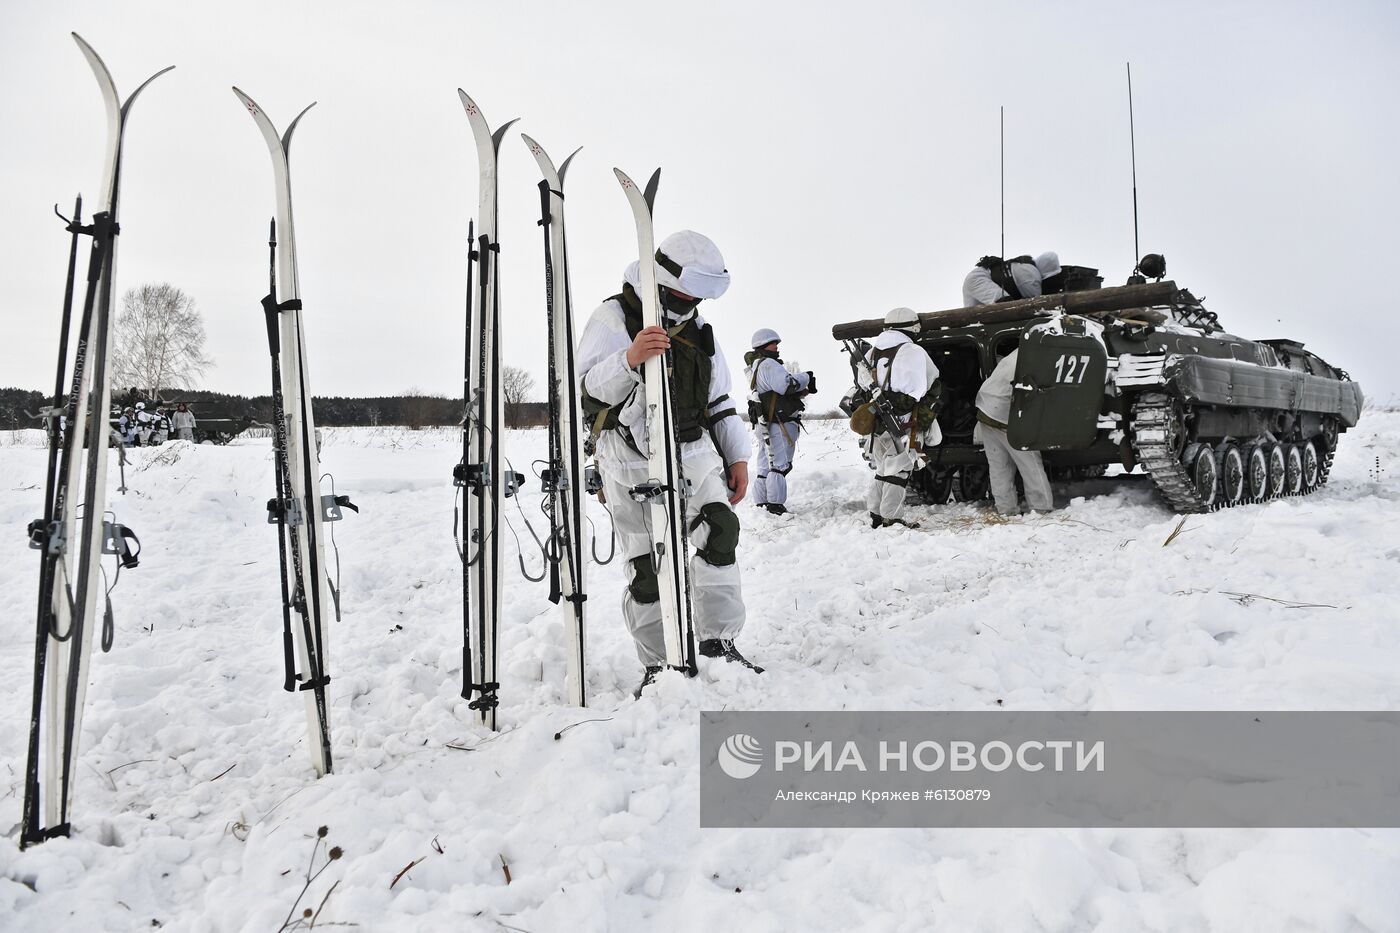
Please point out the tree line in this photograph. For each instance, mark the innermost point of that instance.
(20, 408)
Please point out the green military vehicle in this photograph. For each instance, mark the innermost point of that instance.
(1138, 375)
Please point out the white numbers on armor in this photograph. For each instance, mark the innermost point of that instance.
(1067, 368)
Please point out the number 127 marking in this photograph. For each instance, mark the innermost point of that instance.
(1071, 369)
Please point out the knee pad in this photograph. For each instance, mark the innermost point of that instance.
(644, 587)
(724, 534)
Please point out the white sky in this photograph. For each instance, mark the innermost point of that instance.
(843, 156)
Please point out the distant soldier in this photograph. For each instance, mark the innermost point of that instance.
(994, 279)
(126, 426)
(775, 408)
(145, 423)
(183, 422)
(160, 429)
(907, 375)
(1003, 460)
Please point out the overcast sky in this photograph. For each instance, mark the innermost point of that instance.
(844, 156)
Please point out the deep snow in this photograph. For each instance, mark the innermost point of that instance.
(196, 808)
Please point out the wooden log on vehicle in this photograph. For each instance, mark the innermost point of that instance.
(1086, 302)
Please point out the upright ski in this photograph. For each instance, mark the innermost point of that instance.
(664, 492)
(481, 473)
(563, 478)
(74, 532)
(299, 510)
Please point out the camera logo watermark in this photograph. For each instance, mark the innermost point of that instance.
(740, 756)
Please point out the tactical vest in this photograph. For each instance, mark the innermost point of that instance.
(1000, 271)
(690, 362)
(773, 407)
(924, 409)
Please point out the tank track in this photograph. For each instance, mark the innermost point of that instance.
(1158, 443)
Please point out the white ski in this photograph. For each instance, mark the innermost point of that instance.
(481, 473)
(663, 494)
(300, 511)
(78, 532)
(564, 482)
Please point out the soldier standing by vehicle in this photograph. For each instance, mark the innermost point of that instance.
(1003, 460)
(145, 421)
(126, 427)
(775, 409)
(183, 421)
(714, 446)
(908, 377)
(161, 428)
(995, 279)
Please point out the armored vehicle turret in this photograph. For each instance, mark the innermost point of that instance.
(1141, 375)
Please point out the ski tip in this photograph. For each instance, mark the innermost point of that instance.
(500, 133)
(531, 144)
(287, 136)
(652, 183)
(249, 104)
(468, 104)
(564, 166)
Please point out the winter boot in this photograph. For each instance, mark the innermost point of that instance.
(648, 678)
(875, 520)
(776, 508)
(899, 521)
(724, 648)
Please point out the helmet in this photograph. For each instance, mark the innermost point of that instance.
(763, 337)
(1048, 264)
(688, 262)
(903, 319)
(140, 406)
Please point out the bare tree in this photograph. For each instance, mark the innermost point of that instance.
(159, 340)
(516, 386)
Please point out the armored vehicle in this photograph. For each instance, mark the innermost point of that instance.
(1138, 375)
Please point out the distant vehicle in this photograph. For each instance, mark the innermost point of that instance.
(220, 430)
(1142, 375)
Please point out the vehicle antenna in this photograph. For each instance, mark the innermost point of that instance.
(1132, 143)
(1003, 181)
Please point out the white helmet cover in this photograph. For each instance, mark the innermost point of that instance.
(140, 406)
(763, 337)
(1048, 264)
(903, 319)
(688, 262)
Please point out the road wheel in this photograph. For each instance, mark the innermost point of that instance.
(1232, 479)
(1205, 475)
(1256, 471)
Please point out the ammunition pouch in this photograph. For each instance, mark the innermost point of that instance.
(863, 419)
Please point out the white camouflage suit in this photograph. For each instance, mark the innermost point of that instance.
(912, 372)
(979, 288)
(773, 461)
(183, 422)
(1003, 460)
(716, 591)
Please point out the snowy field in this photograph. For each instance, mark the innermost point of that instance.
(196, 808)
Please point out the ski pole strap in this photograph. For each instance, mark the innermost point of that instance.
(313, 683)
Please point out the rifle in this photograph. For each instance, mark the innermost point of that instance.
(864, 374)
